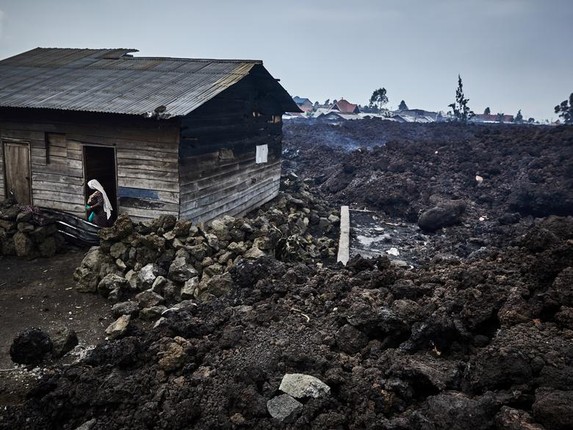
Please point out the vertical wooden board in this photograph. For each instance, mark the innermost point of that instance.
(2, 187)
(17, 165)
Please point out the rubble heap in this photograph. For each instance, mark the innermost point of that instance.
(26, 232)
(474, 337)
(147, 267)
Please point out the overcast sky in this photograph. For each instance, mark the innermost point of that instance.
(511, 54)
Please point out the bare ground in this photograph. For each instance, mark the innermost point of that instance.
(40, 293)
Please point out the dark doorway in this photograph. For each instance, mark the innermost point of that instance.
(99, 163)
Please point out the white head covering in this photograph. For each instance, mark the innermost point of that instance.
(95, 185)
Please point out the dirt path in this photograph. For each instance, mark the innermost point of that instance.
(40, 293)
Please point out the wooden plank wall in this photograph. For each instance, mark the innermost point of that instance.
(2, 184)
(146, 152)
(218, 173)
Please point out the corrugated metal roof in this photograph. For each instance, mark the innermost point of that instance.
(345, 106)
(112, 81)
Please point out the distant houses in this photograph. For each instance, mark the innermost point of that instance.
(344, 110)
(492, 119)
(417, 115)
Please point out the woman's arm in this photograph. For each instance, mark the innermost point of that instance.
(95, 201)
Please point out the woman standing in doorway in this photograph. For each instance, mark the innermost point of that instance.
(98, 205)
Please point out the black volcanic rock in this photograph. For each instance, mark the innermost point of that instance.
(30, 347)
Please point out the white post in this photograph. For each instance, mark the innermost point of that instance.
(344, 240)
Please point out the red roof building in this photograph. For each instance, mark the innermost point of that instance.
(344, 106)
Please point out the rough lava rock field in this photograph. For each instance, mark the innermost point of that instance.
(267, 331)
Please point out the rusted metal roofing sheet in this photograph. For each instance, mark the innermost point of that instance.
(113, 81)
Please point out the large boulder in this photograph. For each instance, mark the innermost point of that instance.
(30, 347)
(95, 265)
(444, 215)
(554, 408)
(457, 411)
(23, 245)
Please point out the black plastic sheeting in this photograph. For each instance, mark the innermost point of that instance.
(73, 228)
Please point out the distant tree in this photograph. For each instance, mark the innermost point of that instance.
(565, 110)
(531, 120)
(327, 102)
(460, 109)
(500, 116)
(403, 106)
(487, 111)
(378, 98)
(518, 117)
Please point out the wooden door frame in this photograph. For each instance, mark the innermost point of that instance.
(115, 204)
(3, 142)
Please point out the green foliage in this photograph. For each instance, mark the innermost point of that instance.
(487, 111)
(460, 109)
(565, 110)
(378, 98)
(403, 105)
(518, 117)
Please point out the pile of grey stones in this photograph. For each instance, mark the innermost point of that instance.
(145, 268)
(27, 233)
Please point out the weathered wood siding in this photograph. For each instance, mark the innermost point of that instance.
(2, 184)
(218, 172)
(146, 151)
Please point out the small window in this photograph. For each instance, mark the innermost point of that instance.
(262, 154)
(56, 148)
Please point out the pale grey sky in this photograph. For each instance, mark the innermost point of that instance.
(511, 54)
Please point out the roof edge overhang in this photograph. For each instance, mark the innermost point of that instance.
(87, 113)
(283, 97)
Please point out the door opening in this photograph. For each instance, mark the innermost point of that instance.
(99, 163)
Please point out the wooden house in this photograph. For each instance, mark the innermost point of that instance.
(303, 104)
(344, 106)
(194, 138)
